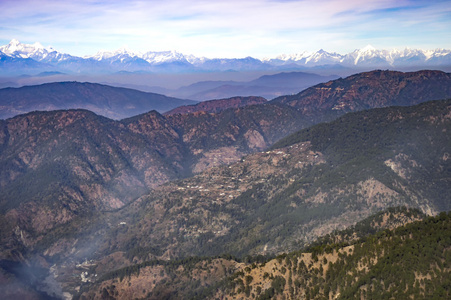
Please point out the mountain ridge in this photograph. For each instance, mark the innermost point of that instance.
(366, 90)
(172, 61)
(266, 86)
(215, 106)
(109, 101)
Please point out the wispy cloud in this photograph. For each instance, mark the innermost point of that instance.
(227, 28)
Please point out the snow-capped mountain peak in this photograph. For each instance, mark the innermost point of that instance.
(36, 51)
(324, 57)
(121, 52)
(290, 57)
(13, 45)
(16, 48)
(163, 56)
(152, 57)
(368, 57)
(365, 54)
(367, 48)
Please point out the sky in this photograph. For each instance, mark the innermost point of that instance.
(227, 29)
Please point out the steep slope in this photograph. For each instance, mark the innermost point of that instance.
(215, 106)
(57, 167)
(190, 278)
(212, 139)
(396, 139)
(111, 102)
(368, 90)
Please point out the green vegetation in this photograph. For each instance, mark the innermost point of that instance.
(395, 216)
(412, 261)
(409, 262)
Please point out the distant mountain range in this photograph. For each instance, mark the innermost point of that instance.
(368, 56)
(17, 58)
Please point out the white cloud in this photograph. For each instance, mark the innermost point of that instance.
(223, 28)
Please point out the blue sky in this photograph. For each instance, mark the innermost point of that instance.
(232, 28)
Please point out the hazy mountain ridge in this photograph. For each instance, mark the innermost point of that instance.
(267, 86)
(172, 61)
(111, 102)
(324, 101)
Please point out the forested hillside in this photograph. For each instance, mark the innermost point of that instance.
(398, 253)
(411, 261)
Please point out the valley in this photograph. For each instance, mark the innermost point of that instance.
(204, 200)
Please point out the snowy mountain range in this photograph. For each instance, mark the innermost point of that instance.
(17, 58)
(369, 56)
